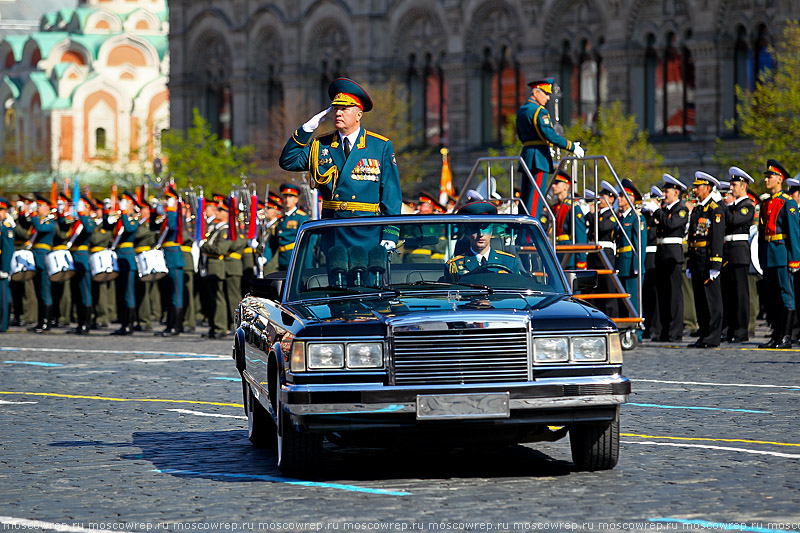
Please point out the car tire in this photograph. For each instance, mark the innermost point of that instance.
(595, 446)
(298, 453)
(260, 426)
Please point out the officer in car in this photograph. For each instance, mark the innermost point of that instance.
(480, 256)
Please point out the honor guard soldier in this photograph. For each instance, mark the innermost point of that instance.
(215, 247)
(189, 269)
(354, 169)
(606, 237)
(273, 207)
(6, 253)
(739, 216)
(44, 227)
(706, 236)
(630, 254)
(671, 221)
(82, 232)
(565, 213)
(287, 226)
(23, 292)
(172, 240)
(794, 192)
(145, 240)
(536, 132)
(652, 324)
(124, 235)
(233, 266)
(480, 256)
(102, 239)
(779, 253)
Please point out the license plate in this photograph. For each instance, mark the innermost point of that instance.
(454, 406)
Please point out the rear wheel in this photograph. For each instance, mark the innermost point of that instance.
(595, 446)
(260, 426)
(298, 452)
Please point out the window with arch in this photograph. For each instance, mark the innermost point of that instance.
(749, 62)
(100, 139)
(584, 86)
(502, 92)
(669, 87)
(427, 101)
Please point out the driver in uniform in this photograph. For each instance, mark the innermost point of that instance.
(480, 254)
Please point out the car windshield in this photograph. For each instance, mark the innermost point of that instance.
(458, 253)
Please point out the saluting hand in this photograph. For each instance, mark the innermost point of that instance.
(578, 150)
(314, 122)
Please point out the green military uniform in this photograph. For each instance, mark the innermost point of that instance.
(233, 275)
(62, 291)
(286, 234)
(461, 265)
(24, 292)
(102, 292)
(145, 239)
(189, 302)
(214, 250)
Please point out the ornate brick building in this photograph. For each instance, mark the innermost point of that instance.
(260, 68)
(89, 87)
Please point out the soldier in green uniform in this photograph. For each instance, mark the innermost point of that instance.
(189, 269)
(536, 132)
(61, 290)
(480, 256)
(285, 230)
(145, 239)
(6, 252)
(101, 239)
(82, 231)
(214, 249)
(628, 265)
(234, 269)
(24, 292)
(269, 260)
(126, 259)
(567, 215)
(355, 170)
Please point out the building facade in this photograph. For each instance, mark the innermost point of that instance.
(88, 90)
(258, 69)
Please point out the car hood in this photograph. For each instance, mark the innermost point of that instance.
(546, 312)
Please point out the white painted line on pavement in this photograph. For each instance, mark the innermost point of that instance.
(134, 352)
(5, 402)
(201, 413)
(714, 384)
(23, 523)
(162, 360)
(709, 447)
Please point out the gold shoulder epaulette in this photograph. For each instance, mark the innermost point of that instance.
(714, 204)
(505, 253)
(301, 212)
(456, 258)
(377, 136)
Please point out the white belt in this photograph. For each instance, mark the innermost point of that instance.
(670, 240)
(737, 237)
(608, 244)
(650, 249)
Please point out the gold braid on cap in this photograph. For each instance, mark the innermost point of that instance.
(317, 178)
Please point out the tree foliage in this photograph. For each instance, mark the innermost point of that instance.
(769, 115)
(618, 137)
(198, 156)
(390, 118)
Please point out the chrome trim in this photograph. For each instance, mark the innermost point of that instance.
(396, 408)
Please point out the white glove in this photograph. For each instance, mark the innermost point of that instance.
(713, 274)
(794, 270)
(584, 207)
(315, 121)
(650, 206)
(3, 275)
(253, 243)
(262, 262)
(11, 221)
(577, 150)
(389, 245)
(688, 273)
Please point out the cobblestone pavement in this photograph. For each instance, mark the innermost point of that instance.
(140, 432)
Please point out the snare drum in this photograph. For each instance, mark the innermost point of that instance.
(23, 266)
(103, 265)
(151, 265)
(59, 265)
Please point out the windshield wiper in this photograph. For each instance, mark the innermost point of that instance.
(486, 288)
(357, 290)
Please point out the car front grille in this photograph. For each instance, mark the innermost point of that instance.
(460, 356)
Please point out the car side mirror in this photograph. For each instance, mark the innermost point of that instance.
(581, 280)
(269, 287)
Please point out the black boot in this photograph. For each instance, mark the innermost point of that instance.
(45, 324)
(84, 318)
(77, 328)
(777, 330)
(172, 317)
(125, 316)
(786, 340)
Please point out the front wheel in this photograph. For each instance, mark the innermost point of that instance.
(629, 339)
(595, 446)
(298, 452)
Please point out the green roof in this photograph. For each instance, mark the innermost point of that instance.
(47, 95)
(65, 14)
(60, 68)
(15, 84)
(17, 44)
(159, 42)
(91, 42)
(82, 13)
(49, 18)
(46, 40)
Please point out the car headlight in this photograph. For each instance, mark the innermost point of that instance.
(325, 355)
(588, 349)
(364, 355)
(550, 349)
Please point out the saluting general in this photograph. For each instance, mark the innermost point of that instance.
(354, 169)
(535, 131)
